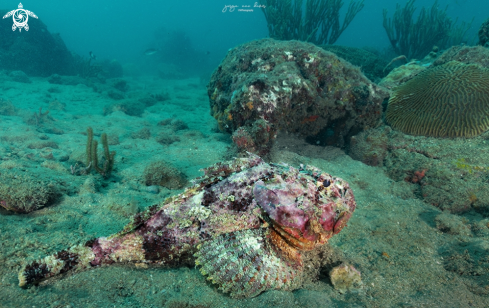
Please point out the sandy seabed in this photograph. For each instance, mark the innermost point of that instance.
(392, 238)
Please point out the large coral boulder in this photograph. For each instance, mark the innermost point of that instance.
(266, 86)
(484, 33)
(449, 173)
(35, 52)
(372, 65)
(465, 54)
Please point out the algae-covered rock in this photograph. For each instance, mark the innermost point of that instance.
(451, 224)
(129, 107)
(401, 74)
(465, 54)
(23, 193)
(450, 174)
(295, 87)
(345, 278)
(371, 64)
(370, 147)
(162, 173)
(484, 33)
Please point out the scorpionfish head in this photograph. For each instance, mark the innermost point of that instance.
(307, 210)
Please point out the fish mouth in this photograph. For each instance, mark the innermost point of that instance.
(289, 246)
(301, 243)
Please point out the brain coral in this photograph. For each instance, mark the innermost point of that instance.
(450, 100)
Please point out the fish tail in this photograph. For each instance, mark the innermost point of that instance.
(126, 248)
(76, 258)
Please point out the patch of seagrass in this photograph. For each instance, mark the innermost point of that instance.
(450, 100)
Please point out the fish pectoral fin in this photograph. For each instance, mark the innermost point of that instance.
(245, 263)
(219, 170)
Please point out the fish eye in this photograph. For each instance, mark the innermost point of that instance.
(326, 183)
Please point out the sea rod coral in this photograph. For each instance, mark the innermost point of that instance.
(245, 223)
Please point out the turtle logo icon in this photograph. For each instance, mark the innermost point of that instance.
(20, 17)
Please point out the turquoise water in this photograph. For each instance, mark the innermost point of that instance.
(139, 73)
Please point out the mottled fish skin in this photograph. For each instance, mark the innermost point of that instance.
(245, 223)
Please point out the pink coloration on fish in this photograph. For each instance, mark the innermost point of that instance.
(244, 223)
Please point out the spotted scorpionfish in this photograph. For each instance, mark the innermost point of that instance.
(244, 223)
